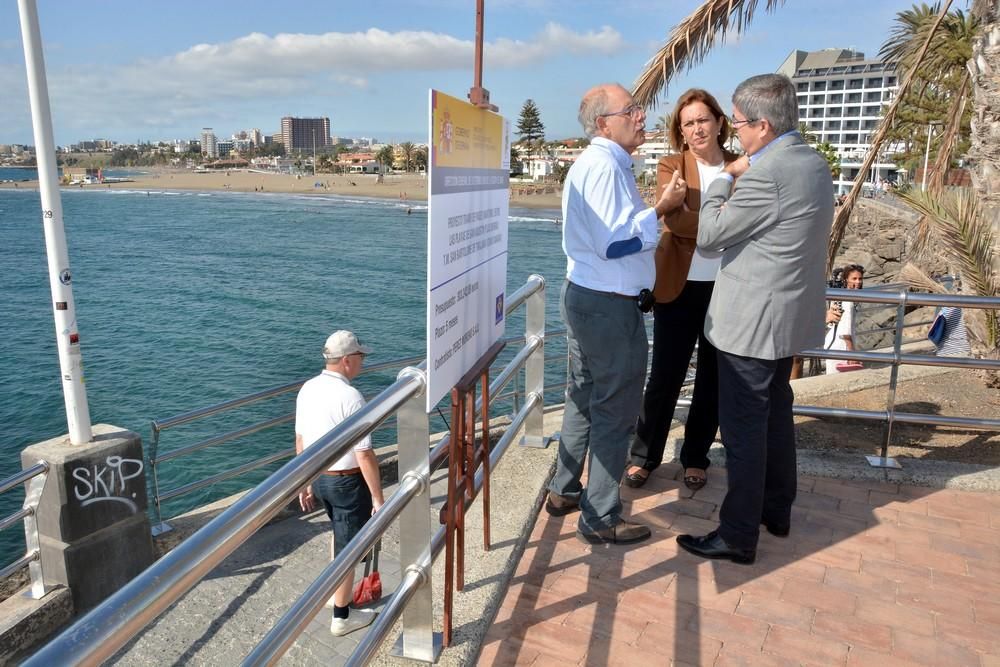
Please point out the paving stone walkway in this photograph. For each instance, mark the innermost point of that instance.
(873, 574)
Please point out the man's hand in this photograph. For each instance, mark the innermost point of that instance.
(306, 500)
(673, 195)
(738, 167)
(376, 505)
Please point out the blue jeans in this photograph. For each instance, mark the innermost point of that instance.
(607, 370)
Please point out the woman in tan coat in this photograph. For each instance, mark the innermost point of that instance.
(685, 276)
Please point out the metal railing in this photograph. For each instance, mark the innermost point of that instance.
(35, 476)
(896, 358)
(160, 495)
(99, 634)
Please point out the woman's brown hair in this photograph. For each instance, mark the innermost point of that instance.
(706, 98)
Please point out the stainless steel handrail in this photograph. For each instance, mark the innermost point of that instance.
(101, 632)
(896, 358)
(35, 477)
(158, 426)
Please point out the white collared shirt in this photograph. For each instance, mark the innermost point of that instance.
(323, 402)
(601, 205)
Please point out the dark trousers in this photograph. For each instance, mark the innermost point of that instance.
(676, 327)
(606, 337)
(758, 433)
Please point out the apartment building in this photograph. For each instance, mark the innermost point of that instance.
(209, 146)
(304, 134)
(841, 97)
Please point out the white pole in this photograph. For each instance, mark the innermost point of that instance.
(64, 311)
(927, 154)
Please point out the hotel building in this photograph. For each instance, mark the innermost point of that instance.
(302, 134)
(841, 96)
(209, 147)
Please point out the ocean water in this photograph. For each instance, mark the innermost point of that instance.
(18, 174)
(186, 299)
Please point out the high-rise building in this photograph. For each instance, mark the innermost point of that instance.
(841, 96)
(302, 134)
(256, 137)
(209, 147)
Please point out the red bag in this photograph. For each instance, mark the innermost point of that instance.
(847, 366)
(369, 589)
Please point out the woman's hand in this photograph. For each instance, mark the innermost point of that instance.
(673, 194)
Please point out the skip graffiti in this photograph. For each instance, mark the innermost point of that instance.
(104, 483)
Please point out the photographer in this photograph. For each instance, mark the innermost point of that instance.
(840, 317)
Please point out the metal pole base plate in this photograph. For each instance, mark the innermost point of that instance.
(535, 441)
(160, 528)
(437, 644)
(880, 462)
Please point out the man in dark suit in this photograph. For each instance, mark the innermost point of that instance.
(770, 212)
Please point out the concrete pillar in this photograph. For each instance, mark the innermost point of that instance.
(93, 531)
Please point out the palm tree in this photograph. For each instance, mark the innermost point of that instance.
(694, 37)
(984, 67)
(942, 71)
(385, 156)
(407, 149)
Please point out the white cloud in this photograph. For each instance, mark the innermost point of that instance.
(179, 89)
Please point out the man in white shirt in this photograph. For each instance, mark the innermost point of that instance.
(609, 235)
(351, 489)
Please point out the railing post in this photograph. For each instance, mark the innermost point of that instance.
(534, 369)
(883, 461)
(31, 498)
(418, 640)
(161, 525)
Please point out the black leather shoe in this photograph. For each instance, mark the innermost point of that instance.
(557, 505)
(713, 546)
(777, 529)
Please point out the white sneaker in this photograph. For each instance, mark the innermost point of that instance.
(359, 618)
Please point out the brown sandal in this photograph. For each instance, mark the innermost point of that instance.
(636, 479)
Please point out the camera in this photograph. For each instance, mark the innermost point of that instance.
(837, 279)
(645, 300)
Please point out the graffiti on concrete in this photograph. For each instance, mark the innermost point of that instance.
(106, 483)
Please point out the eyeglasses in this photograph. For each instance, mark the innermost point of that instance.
(739, 123)
(358, 354)
(632, 110)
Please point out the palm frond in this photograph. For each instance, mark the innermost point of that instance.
(967, 240)
(949, 139)
(918, 280)
(691, 40)
(844, 214)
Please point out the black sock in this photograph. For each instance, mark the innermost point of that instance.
(341, 612)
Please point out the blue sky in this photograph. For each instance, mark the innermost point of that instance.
(163, 70)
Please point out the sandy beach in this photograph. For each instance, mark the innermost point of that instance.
(410, 187)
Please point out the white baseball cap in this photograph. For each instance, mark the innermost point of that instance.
(342, 343)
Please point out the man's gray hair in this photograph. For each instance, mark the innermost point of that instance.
(593, 105)
(769, 96)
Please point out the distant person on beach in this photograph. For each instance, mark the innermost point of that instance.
(685, 276)
(840, 321)
(351, 489)
(769, 212)
(609, 235)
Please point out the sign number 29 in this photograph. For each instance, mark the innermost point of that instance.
(47, 214)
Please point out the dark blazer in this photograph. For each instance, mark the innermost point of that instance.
(680, 227)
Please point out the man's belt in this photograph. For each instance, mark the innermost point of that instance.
(342, 473)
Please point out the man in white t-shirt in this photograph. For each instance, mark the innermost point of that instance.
(351, 489)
